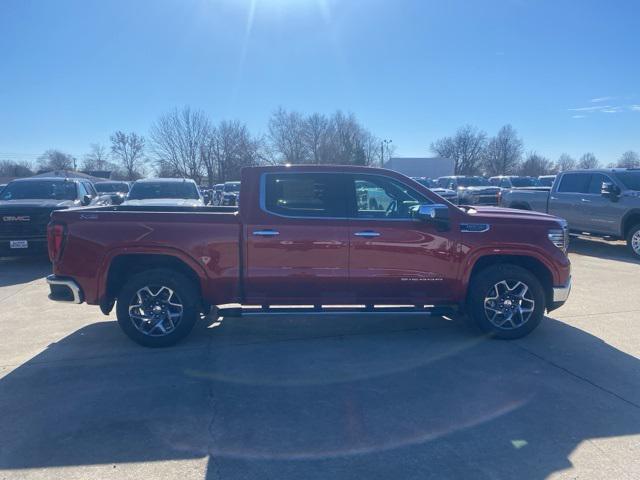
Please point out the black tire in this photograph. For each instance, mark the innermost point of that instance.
(185, 293)
(483, 287)
(634, 232)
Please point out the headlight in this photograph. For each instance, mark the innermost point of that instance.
(559, 237)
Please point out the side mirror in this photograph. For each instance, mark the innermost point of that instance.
(86, 200)
(117, 199)
(610, 190)
(434, 212)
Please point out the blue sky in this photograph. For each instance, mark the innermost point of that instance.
(564, 73)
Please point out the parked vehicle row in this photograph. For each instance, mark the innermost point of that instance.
(26, 205)
(603, 203)
(311, 235)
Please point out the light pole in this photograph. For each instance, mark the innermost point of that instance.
(382, 145)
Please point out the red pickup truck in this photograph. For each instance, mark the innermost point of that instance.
(311, 237)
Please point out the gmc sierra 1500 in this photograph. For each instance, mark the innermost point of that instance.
(302, 237)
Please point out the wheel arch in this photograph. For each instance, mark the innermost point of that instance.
(124, 265)
(630, 219)
(532, 264)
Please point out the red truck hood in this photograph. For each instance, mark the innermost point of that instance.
(508, 213)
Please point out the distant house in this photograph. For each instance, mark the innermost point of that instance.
(432, 167)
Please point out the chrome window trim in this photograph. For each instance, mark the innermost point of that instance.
(263, 201)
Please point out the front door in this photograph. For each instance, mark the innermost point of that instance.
(393, 257)
(298, 250)
(604, 214)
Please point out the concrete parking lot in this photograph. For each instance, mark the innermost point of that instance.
(397, 396)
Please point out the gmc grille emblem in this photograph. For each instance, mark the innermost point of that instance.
(21, 218)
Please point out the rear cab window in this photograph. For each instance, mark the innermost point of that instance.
(574, 183)
(319, 195)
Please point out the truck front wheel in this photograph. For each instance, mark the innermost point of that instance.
(506, 301)
(633, 240)
(158, 307)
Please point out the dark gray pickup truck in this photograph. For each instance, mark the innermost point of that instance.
(603, 203)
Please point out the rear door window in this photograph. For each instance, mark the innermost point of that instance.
(305, 195)
(575, 183)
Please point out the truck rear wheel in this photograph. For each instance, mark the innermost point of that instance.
(158, 308)
(633, 240)
(506, 301)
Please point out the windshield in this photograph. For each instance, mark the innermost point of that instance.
(524, 182)
(232, 187)
(630, 180)
(151, 190)
(108, 187)
(472, 182)
(45, 190)
(546, 181)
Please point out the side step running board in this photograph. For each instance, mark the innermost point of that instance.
(240, 310)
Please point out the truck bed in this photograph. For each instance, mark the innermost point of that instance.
(205, 238)
(535, 198)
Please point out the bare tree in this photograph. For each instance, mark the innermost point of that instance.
(629, 159)
(177, 140)
(128, 150)
(315, 131)
(97, 158)
(230, 148)
(503, 153)
(564, 163)
(535, 165)
(588, 161)
(466, 149)
(15, 169)
(286, 132)
(56, 160)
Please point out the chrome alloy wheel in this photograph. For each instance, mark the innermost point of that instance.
(509, 304)
(635, 242)
(155, 311)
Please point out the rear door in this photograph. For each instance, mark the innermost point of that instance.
(570, 199)
(298, 244)
(394, 258)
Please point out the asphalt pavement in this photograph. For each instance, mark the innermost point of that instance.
(326, 397)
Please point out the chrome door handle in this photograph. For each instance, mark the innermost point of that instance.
(585, 200)
(367, 234)
(266, 233)
(553, 198)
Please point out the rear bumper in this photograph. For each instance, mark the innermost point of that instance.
(560, 295)
(64, 289)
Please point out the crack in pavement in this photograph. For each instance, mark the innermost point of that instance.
(576, 375)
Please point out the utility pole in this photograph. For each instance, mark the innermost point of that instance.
(382, 144)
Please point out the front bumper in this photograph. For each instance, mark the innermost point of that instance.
(560, 295)
(64, 289)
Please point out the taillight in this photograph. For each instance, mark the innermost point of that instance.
(55, 240)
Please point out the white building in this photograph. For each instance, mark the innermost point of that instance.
(432, 167)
